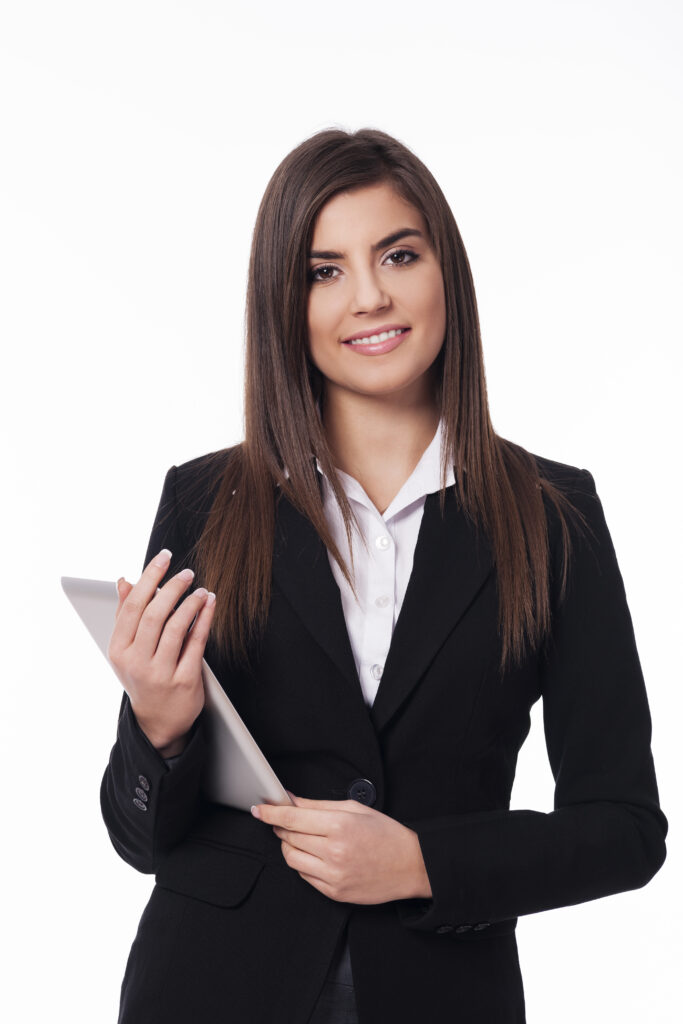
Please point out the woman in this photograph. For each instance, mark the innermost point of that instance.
(371, 483)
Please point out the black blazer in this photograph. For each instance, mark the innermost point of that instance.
(231, 933)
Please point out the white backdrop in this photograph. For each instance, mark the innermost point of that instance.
(138, 139)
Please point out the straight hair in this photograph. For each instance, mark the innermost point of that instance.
(498, 483)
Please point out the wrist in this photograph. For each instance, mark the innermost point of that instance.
(172, 749)
(165, 745)
(419, 886)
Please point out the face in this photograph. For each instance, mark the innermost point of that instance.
(372, 272)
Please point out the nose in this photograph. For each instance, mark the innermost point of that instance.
(368, 293)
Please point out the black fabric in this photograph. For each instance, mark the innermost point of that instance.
(232, 934)
(337, 1001)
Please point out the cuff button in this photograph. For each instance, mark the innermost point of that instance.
(139, 804)
(463, 928)
(482, 924)
(144, 783)
(443, 929)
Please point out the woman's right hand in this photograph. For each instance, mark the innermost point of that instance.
(154, 656)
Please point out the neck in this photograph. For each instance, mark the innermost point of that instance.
(378, 439)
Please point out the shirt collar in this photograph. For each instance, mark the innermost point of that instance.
(424, 480)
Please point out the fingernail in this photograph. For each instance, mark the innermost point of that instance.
(119, 581)
(255, 811)
(185, 574)
(163, 558)
(200, 592)
(211, 597)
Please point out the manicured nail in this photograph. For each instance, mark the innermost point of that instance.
(200, 592)
(163, 558)
(211, 598)
(255, 811)
(119, 581)
(185, 575)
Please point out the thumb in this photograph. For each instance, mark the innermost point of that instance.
(124, 588)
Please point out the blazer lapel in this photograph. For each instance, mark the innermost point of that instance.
(302, 571)
(450, 566)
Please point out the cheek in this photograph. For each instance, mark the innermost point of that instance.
(438, 299)
(430, 300)
(440, 313)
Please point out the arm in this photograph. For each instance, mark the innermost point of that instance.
(147, 808)
(606, 833)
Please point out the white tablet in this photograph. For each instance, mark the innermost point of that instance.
(237, 773)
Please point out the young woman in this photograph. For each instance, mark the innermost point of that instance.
(395, 586)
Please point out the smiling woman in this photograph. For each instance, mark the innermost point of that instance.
(374, 301)
(372, 290)
(395, 586)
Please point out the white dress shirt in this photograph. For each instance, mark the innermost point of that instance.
(382, 572)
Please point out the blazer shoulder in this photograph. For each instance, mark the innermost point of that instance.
(563, 475)
(197, 480)
(209, 465)
(191, 487)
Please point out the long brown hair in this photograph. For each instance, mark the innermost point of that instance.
(498, 482)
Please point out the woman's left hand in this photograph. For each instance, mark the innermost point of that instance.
(349, 852)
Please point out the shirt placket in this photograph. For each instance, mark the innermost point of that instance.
(380, 599)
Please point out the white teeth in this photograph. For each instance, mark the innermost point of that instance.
(375, 338)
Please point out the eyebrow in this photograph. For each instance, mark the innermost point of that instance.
(395, 236)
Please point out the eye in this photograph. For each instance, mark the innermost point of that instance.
(312, 274)
(403, 252)
(326, 271)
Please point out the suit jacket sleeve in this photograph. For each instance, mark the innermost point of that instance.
(144, 825)
(606, 833)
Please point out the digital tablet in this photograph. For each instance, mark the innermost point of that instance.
(237, 773)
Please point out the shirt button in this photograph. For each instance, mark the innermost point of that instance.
(382, 601)
(382, 542)
(376, 671)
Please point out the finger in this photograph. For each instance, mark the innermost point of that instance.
(298, 819)
(163, 606)
(123, 588)
(195, 640)
(299, 861)
(138, 598)
(329, 805)
(317, 846)
(182, 642)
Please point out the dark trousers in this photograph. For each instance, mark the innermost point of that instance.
(337, 1002)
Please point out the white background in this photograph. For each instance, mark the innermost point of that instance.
(138, 139)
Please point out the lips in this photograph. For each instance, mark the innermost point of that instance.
(377, 345)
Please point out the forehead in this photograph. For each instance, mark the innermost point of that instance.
(366, 213)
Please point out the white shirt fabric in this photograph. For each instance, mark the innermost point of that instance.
(383, 571)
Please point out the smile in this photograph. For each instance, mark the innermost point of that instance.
(375, 339)
(378, 344)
